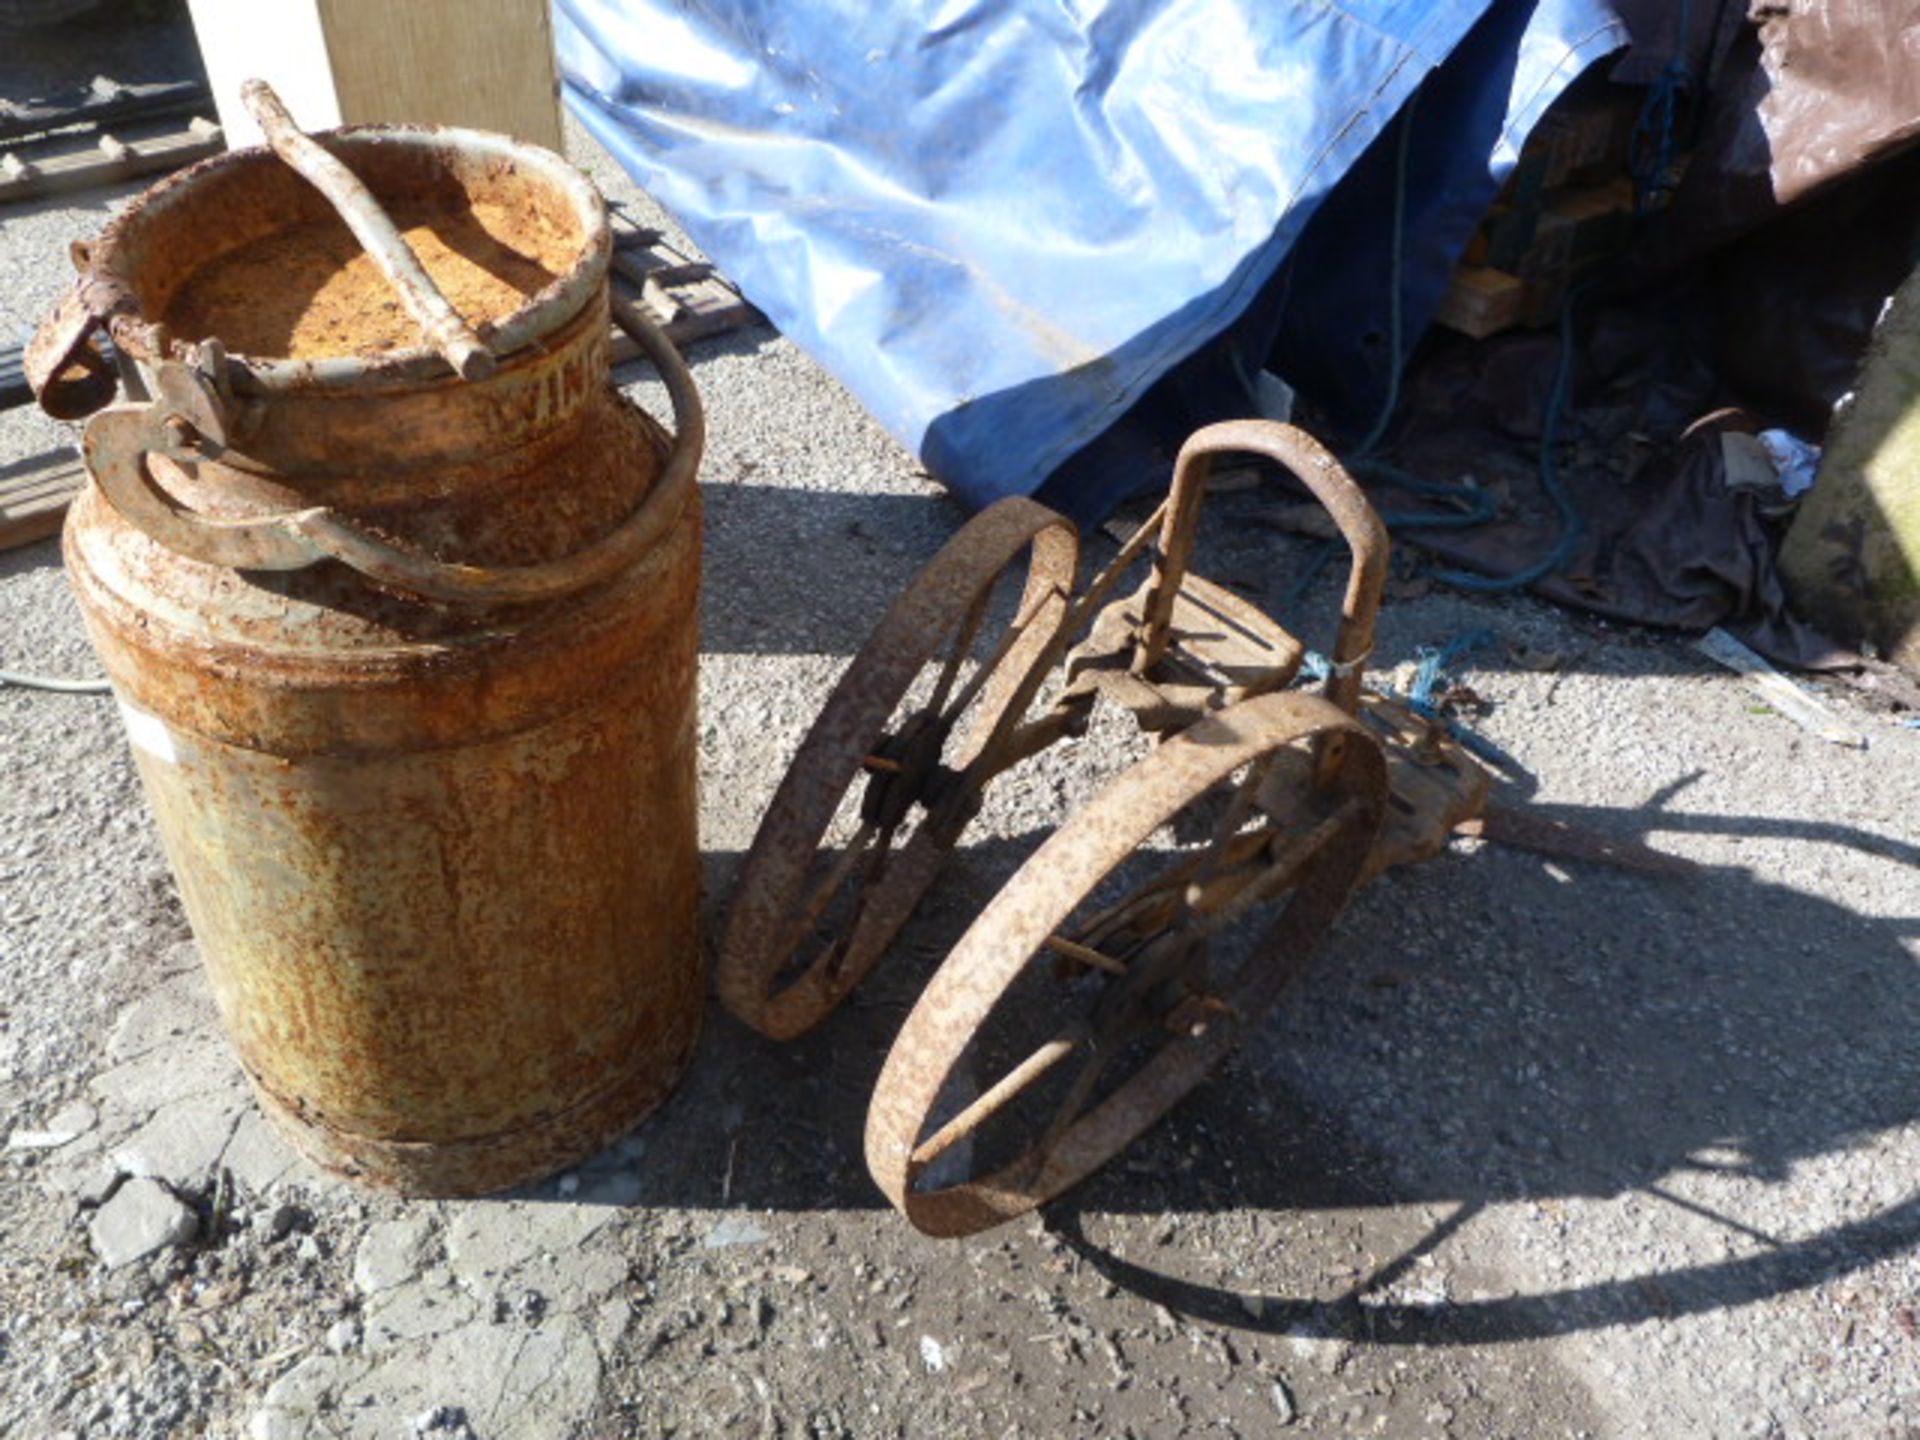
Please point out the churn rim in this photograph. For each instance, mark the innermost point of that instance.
(545, 311)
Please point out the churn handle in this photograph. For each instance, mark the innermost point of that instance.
(65, 366)
(186, 422)
(1297, 452)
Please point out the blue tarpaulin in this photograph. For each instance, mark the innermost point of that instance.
(1001, 222)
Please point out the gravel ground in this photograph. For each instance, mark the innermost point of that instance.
(1536, 1149)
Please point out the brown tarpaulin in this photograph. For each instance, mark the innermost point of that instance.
(1799, 213)
(1798, 96)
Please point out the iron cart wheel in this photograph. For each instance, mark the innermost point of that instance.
(813, 911)
(1162, 974)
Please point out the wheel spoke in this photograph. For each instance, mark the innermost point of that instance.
(836, 877)
(1244, 797)
(1163, 999)
(1076, 1099)
(1119, 1016)
(984, 671)
(1237, 863)
(878, 854)
(1280, 872)
(1162, 890)
(1228, 846)
(786, 954)
(1002, 1090)
(1085, 954)
(962, 647)
(1170, 887)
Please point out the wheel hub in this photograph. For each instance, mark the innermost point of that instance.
(904, 769)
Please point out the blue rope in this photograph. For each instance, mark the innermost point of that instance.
(1570, 523)
(1656, 126)
(1434, 660)
(1433, 670)
(1395, 265)
(1477, 506)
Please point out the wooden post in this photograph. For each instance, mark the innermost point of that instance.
(1851, 560)
(486, 64)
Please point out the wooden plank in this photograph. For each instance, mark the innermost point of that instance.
(483, 63)
(84, 159)
(1580, 225)
(55, 482)
(487, 64)
(1480, 301)
(100, 103)
(687, 298)
(281, 43)
(1509, 230)
(1790, 699)
(34, 495)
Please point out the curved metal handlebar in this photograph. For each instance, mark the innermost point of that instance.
(1315, 467)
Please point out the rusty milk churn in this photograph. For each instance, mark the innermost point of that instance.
(406, 656)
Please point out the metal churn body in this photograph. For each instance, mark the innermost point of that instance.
(407, 662)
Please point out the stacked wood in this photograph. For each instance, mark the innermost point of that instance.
(85, 156)
(34, 494)
(1567, 207)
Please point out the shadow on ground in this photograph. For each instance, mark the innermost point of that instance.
(1554, 1032)
(1486, 1029)
(1734, 1027)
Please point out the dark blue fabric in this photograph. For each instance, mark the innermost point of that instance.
(1001, 222)
(1331, 321)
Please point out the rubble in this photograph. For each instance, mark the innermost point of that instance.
(142, 1218)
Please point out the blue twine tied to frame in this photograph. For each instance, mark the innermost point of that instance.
(1434, 660)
